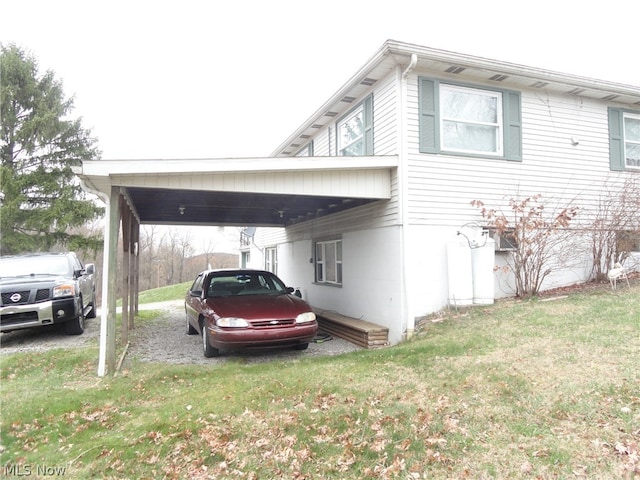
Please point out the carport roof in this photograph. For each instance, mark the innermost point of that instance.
(241, 191)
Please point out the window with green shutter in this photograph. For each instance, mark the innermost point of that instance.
(624, 139)
(466, 120)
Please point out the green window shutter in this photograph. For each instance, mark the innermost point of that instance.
(368, 125)
(512, 126)
(616, 146)
(428, 111)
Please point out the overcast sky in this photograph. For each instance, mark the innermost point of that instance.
(189, 78)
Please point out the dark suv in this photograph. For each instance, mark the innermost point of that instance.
(44, 289)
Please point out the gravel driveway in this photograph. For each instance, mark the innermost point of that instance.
(162, 339)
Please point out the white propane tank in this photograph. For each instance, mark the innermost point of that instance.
(460, 273)
(482, 264)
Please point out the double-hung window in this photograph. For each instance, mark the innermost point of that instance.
(271, 260)
(632, 139)
(471, 120)
(465, 120)
(329, 262)
(624, 139)
(354, 131)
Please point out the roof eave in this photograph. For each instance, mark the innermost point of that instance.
(405, 50)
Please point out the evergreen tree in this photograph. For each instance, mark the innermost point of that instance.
(41, 200)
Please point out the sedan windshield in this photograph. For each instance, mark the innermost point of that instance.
(36, 265)
(250, 283)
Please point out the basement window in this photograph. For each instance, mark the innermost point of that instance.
(328, 262)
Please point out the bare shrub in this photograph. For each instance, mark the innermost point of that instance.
(616, 226)
(538, 239)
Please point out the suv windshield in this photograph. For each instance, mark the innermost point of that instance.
(35, 265)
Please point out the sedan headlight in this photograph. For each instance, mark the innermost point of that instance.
(64, 290)
(232, 322)
(306, 317)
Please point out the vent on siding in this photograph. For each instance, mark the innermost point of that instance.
(368, 81)
(576, 91)
(331, 114)
(499, 78)
(295, 145)
(316, 125)
(455, 69)
(305, 136)
(347, 99)
(610, 97)
(539, 84)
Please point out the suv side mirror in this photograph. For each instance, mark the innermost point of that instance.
(89, 269)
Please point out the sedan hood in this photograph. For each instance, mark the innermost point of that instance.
(259, 307)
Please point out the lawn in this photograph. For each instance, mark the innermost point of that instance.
(532, 389)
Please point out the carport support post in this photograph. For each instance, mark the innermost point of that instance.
(107, 357)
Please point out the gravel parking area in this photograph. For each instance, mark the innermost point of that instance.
(162, 339)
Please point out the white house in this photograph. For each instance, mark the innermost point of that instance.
(462, 128)
(361, 206)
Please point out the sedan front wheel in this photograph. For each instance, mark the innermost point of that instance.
(208, 350)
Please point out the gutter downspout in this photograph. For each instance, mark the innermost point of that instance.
(403, 182)
(412, 64)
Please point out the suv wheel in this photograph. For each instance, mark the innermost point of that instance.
(76, 326)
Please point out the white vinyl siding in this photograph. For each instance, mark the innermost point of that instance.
(385, 118)
(564, 158)
(322, 144)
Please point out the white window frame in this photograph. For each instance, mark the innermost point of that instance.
(271, 259)
(498, 125)
(322, 266)
(357, 112)
(625, 116)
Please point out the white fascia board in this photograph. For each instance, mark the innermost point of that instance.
(514, 69)
(105, 168)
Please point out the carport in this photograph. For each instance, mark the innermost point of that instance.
(273, 192)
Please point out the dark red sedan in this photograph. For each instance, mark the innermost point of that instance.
(238, 309)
